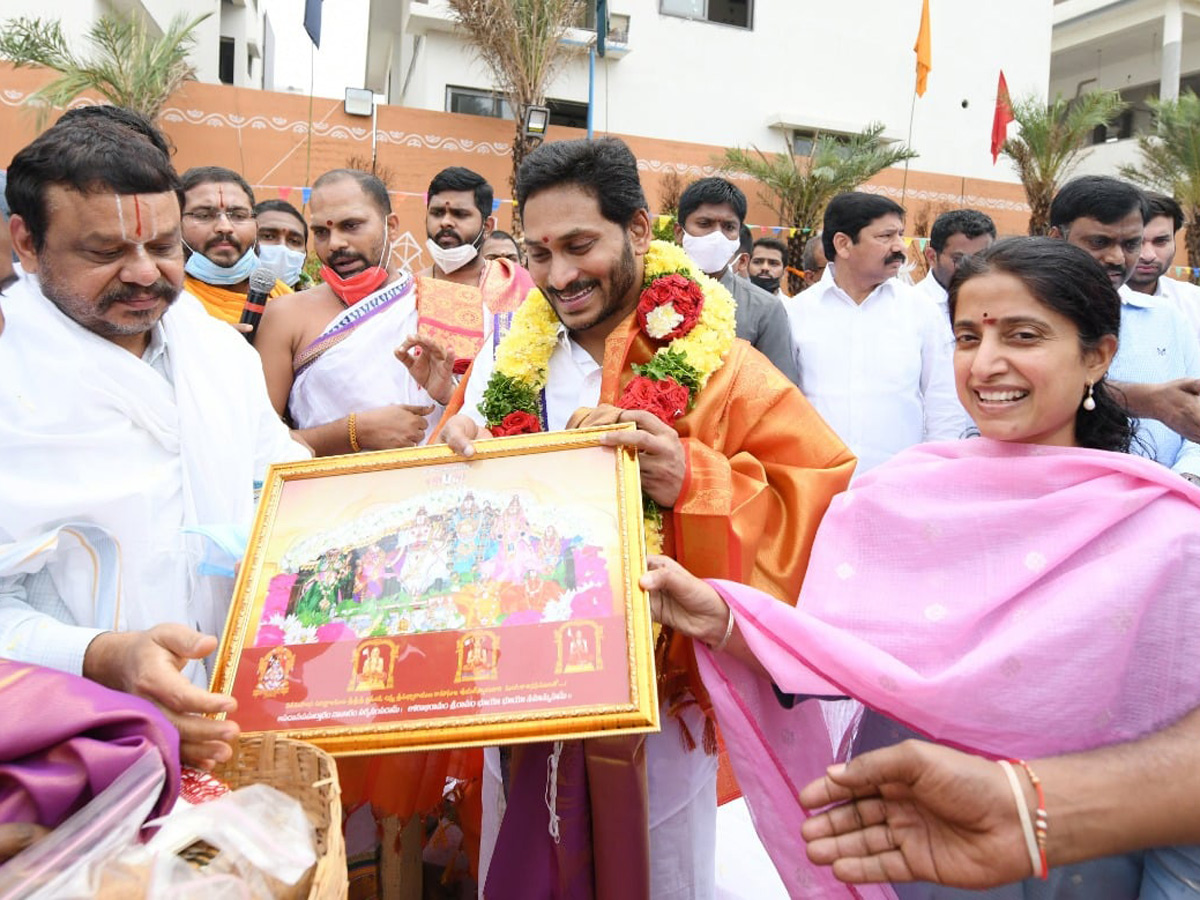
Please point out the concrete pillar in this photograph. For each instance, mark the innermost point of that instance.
(1172, 49)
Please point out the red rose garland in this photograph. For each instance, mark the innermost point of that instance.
(666, 398)
(519, 422)
(673, 293)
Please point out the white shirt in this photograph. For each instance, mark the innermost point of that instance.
(573, 381)
(1157, 345)
(931, 288)
(1184, 296)
(879, 372)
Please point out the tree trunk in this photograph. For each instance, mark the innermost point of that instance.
(1191, 240)
(1039, 214)
(520, 149)
(795, 259)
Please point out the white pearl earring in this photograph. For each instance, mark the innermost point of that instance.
(1089, 402)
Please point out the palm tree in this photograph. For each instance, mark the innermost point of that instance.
(521, 41)
(127, 65)
(1052, 138)
(1171, 161)
(801, 187)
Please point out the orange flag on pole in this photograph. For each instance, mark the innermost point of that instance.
(1002, 117)
(923, 50)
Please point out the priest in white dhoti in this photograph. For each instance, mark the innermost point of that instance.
(346, 360)
(130, 421)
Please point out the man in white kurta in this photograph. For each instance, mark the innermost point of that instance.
(874, 357)
(129, 421)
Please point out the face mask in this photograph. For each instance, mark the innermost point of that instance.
(451, 259)
(766, 282)
(204, 269)
(285, 262)
(711, 252)
(361, 284)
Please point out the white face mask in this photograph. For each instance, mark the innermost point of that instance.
(285, 262)
(711, 252)
(451, 259)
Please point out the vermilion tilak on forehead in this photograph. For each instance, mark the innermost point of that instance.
(221, 196)
(988, 320)
(545, 240)
(137, 212)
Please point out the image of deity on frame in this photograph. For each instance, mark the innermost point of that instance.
(578, 647)
(412, 598)
(273, 672)
(478, 656)
(372, 666)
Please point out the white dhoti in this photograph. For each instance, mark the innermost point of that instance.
(351, 367)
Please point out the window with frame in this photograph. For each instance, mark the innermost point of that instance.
(475, 102)
(803, 140)
(225, 58)
(739, 13)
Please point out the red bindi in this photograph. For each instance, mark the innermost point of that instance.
(329, 223)
(545, 240)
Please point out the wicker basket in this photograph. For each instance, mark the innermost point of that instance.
(307, 773)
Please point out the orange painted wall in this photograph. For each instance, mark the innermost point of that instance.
(265, 136)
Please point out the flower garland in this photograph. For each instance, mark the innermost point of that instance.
(679, 306)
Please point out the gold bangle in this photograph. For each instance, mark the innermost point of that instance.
(352, 426)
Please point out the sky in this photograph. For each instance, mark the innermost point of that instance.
(339, 63)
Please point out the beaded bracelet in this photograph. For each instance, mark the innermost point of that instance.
(1041, 824)
(352, 427)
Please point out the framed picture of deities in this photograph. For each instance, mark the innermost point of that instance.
(414, 599)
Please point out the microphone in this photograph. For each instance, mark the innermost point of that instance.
(262, 282)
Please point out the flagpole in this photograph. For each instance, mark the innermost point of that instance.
(911, 115)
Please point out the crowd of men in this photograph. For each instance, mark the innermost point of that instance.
(134, 414)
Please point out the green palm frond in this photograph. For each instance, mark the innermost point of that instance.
(1051, 140)
(801, 187)
(1170, 151)
(125, 64)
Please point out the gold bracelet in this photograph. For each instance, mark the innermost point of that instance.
(352, 426)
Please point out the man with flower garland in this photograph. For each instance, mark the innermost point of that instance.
(739, 469)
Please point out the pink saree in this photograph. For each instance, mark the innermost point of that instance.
(1006, 599)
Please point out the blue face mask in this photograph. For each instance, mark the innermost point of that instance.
(204, 269)
(285, 262)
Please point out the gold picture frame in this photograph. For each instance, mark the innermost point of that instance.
(415, 599)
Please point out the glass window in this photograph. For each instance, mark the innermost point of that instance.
(724, 12)
(225, 60)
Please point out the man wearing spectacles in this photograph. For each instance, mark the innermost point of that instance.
(219, 233)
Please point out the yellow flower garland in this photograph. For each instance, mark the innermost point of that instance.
(524, 352)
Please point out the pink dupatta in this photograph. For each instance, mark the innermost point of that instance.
(1008, 599)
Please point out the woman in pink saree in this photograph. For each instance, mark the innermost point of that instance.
(1026, 593)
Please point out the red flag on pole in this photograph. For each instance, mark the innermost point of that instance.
(924, 50)
(1001, 119)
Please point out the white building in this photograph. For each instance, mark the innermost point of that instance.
(229, 43)
(1141, 48)
(749, 72)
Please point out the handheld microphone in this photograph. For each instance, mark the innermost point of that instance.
(262, 282)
